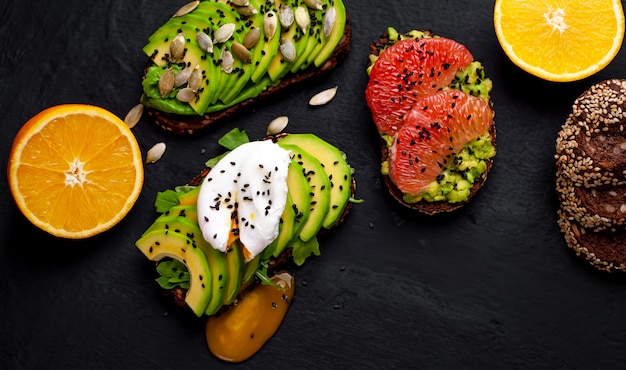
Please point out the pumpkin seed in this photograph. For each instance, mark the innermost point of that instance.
(241, 52)
(287, 50)
(182, 77)
(314, 4)
(186, 95)
(187, 8)
(252, 37)
(177, 47)
(246, 10)
(240, 2)
(303, 18)
(227, 61)
(285, 16)
(277, 125)
(134, 115)
(166, 82)
(155, 153)
(323, 97)
(204, 42)
(269, 24)
(329, 21)
(224, 33)
(195, 78)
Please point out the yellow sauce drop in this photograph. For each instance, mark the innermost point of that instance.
(240, 332)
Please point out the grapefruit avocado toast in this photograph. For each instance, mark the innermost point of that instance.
(431, 106)
(250, 211)
(214, 58)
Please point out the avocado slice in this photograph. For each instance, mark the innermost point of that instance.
(235, 269)
(189, 198)
(329, 43)
(312, 36)
(300, 194)
(320, 188)
(216, 259)
(334, 163)
(186, 211)
(159, 244)
(279, 66)
(285, 232)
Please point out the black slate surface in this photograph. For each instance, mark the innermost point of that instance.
(491, 286)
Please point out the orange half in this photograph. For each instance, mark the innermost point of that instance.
(75, 170)
(560, 40)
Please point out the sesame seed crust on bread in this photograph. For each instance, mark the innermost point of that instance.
(590, 182)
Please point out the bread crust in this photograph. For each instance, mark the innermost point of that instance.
(423, 206)
(189, 125)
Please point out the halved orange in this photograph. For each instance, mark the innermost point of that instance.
(560, 40)
(75, 170)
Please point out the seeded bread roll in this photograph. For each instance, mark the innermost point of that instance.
(590, 182)
(189, 125)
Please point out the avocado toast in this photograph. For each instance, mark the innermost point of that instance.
(216, 58)
(298, 181)
(431, 106)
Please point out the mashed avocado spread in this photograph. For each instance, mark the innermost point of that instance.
(455, 182)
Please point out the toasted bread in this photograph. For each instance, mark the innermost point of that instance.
(424, 206)
(191, 124)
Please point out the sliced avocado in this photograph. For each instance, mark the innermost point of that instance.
(189, 198)
(330, 43)
(215, 258)
(235, 270)
(312, 40)
(320, 189)
(285, 232)
(300, 194)
(280, 66)
(189, 212)
(267, 46)
(336, 167)
(158, 49)
(160, 244)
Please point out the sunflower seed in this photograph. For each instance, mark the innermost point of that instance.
(204, 42)
(186, 95)
(240, 2)
(155, 153)
(285, 16)
(195, 78)
(329, 21)
(182, 77)
(314, 4)
(303, 18)
(277, 125)
(323, 97)
(227, 61)
(240, 52)
(246, 10)
(177, 47)
(134, 115)
(269, 24)
(224, 33)
(187, 8)
(252, 37)
(287, 50)
(166, 82)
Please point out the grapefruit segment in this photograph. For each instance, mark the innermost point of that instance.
(407, 70)
(435, 129)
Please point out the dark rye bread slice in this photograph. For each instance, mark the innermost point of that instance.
(425, 207)
(604, 250)
(178, 294)
(189, 125)
(597, 208)
(591, 146)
